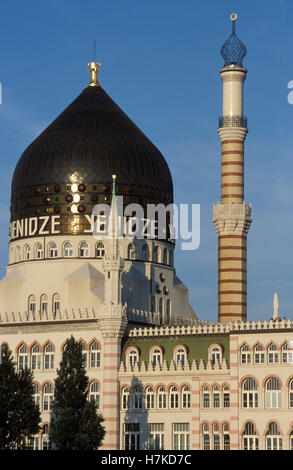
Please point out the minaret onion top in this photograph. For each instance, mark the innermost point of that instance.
(233, 50)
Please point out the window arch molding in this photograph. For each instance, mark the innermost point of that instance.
(132, 355)
(156, 354)
(180, 353)
(67, 249)
(215, 352)
(83, 249)
(99, 249)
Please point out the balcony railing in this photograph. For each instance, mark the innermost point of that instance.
(233, 121)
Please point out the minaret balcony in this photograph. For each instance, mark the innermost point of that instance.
(233, 121)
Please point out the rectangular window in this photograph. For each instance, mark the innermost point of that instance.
(206, 400)
(156, 436)
(131, 436)
(181, 436)
(216, 400)
(226, 400)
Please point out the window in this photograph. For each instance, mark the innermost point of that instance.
(249, 438)
(245, 355)
(226, 397)
(287, 354)
(39, 253)
(165, 256)
(291, 394)
(56, 304)
(32, 305)
(131, 436)
(216, 397)
(186, 397)
(100, 250)
(145, 253)
(273, 439)
(154, 308)
(206, 437)
(49, 357)
(173, 398)
(47, 397)
(131, 251)
(149, 398)
(168, 311)
(83, 250)
(27, 252)
(156, 254)
(181, 436)
(226, 436)
(94, 394)
(132, 357)
(17, 254)
(22, 357)
(156, 436)
(53, 251)
(180, 355)
(137, 398)
(216, 437)
(259, 355)
(206, 397)
(249, 393)
(156, 357)
(162, 398)
(125, 402)
(160, 309)
(84, 354)
(36, 358)
(68, 250)
(95, 355)
(171, 257)
(36, 395)
(46, 444)
(216, 355)
(44, 305)
(273, 355)
(273, 394)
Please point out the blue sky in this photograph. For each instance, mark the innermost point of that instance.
(160, 63)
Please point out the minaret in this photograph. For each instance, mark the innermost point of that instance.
(232, 217)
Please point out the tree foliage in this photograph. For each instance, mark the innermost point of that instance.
(75, 423)
(19, 415)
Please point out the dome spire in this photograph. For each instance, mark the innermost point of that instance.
(94, 68)
(233, 50)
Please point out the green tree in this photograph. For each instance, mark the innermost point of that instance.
(19, 415)
(75, 423)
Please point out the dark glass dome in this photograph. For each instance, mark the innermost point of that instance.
(91, 140)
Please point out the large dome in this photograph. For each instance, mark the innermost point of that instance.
(87, 143)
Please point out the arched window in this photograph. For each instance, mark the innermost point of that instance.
(53, 251)
(94, 394)
(245, 355)
(287, 354)
(226, 396)
(137, 398)
(131, 252)
(39, 252)
(273, 439)
(44, 304)
(100, 250)
(185, 397)
(173, 397)
(162, 398)
(259, 355)
(132, 357)
(95, 355)
(27, 252)
(168, 311)
(154, 307)
(216, 397)
(49, 357)
(273, 394)
(145, 253)
(226, 436)
(17, 254)
(180, 355)
(11, 255)
(249, 437)
(160, 307)
(37, 395)
(171, 257)
(22, 357)
(165, 256)
(36, 358)
(156, 357)
(156, 254)
(216, 437)
(47, 397)
(32, 304)
(249, 393)
(206, 437)
(149, 398)
(205, 397)
(56, 304)
(216, 355)
(83, 353)
(291, 394)
(83, 250)
(125, 402)
(68, 250)
(273, 355)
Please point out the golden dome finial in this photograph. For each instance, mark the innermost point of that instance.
(94, 68)
(233, 16)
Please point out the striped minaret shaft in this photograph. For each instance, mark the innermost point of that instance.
(232, 217)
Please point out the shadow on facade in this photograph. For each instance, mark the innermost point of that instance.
(135, 425)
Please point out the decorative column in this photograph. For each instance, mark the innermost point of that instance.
(232, 217)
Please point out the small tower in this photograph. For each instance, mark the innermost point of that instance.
(232, 217)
